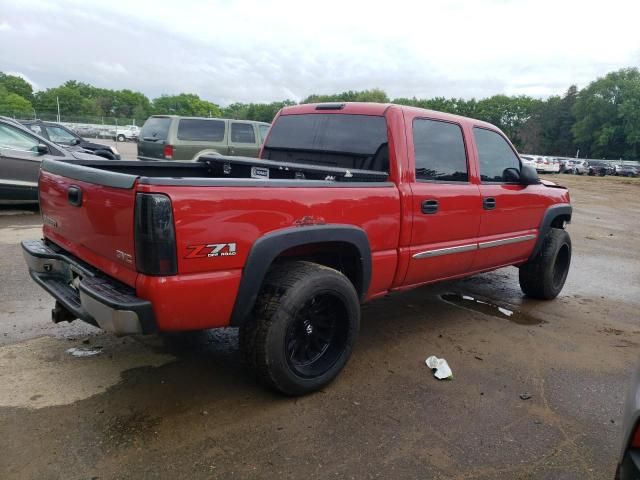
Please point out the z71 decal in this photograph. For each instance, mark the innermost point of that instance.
(212, 250)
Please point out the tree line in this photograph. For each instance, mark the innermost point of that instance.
(601, 120)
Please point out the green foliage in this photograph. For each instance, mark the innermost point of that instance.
(185, 104)
(14, 104)
(607, 117)
(373, 95)
(548, 132)
(261, 112)
(16, 85)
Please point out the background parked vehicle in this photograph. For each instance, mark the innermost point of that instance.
(169, 137)
(547, 165)
(21, 152)
(128, 132)
(599, 168)
(627, 171)
(57, 133)
(86, 131)
(576, 167)
(528, 160)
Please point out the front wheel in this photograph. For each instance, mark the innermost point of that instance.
(302, 329)
(544, 276)
(121, 138)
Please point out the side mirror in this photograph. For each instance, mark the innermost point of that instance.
(511, 175)
(42, 149)
(76, 141)
(528, 175)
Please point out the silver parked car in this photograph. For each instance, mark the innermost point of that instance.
(21, 152)
(576, 167)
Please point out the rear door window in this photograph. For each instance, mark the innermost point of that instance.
(242, 133)
(495, 155)
(155, 128)
(201, 130)
(439, 151)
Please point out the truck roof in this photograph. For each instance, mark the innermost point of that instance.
(368, 108)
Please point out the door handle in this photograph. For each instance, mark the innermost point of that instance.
(429, 206)
(489, 203)
(74, 196)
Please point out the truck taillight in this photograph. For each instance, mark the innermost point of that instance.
(155, 235)
(168, 152)
(635, 438)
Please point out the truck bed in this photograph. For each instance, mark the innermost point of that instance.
(209, 170)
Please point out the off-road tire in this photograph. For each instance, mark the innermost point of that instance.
(265, 338)
(544, 276)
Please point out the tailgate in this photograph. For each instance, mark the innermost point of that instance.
(93, 221)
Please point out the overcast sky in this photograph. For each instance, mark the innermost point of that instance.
(261, 51)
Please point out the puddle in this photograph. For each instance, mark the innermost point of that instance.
(41, 372)
(83, 352)
(488, 308)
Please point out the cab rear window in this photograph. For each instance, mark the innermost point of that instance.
(343, 140)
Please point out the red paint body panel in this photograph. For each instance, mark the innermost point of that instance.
(191, 302)
(94, 231)
(203, 293)
(205, 215)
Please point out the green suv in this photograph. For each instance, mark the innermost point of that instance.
(170, 137)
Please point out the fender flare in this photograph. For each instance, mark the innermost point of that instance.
(268, 247)
(553, 212)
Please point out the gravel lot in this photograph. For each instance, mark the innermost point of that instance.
(183, 407)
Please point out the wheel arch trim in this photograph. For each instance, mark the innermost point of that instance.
(563, 210)
(268, 247)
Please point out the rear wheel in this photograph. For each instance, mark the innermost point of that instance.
(121, 138)
(544, 276)
(303, 327)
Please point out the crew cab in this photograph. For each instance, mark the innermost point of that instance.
(347, 203)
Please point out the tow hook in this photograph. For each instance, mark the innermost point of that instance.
(60, 314)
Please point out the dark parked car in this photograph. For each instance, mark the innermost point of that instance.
(64, 136)
(600, 168)
(21, 152)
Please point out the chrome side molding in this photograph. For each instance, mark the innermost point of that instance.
(474, 246)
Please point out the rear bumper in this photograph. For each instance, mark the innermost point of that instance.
(85, 292)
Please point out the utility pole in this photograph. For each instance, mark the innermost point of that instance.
(58, 102)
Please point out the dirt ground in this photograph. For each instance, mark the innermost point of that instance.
(183, 407)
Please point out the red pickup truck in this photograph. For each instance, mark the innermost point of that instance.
(346, 203)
